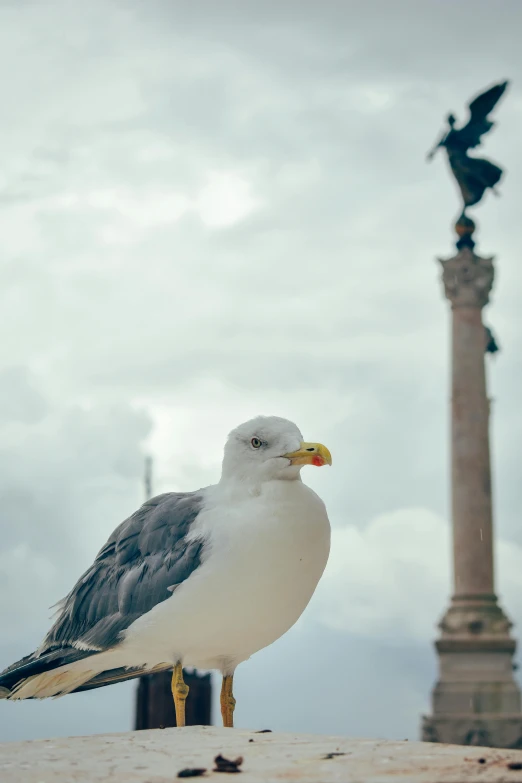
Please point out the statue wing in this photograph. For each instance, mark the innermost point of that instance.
(479, 108)
(483, 104)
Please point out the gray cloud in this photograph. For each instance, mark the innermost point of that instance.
(20, 399)
(208, 216)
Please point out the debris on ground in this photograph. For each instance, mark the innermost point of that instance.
(332, 755)
(191, 772)
(227, 765)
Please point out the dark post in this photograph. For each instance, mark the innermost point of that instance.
(155, 706)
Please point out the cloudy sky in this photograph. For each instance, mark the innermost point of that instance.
(215, 210)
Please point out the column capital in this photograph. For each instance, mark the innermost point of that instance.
(468, 278)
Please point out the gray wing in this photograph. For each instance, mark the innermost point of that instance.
(146, 557)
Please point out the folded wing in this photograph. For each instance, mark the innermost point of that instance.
(143, 561)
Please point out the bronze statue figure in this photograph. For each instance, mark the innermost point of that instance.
(473, 175)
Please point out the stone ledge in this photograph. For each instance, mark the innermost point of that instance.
(157, 756)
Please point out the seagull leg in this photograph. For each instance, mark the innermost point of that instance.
(179, 692)
(227, 701)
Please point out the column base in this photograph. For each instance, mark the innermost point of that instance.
(475, 616)
(476, 700)
(487, 730)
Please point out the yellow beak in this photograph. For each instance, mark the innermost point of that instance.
(310, 454)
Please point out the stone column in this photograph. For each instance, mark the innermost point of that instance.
(476, 700)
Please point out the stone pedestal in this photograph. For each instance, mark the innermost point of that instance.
(476, 700)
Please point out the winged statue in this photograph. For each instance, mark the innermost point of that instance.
(474, 175)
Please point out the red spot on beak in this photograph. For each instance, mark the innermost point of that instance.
(318, 461)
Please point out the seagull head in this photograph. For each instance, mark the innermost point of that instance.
(268, 448)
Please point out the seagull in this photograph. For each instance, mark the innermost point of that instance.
(202, 579)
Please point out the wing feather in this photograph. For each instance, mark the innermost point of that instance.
(134, 571)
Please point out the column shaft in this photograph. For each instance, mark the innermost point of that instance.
(471, 475)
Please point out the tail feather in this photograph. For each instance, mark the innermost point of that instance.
(120, 675)
(54, 683)
(34, 665)
(54, 674)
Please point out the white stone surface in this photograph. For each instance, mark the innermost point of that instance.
(157, 756)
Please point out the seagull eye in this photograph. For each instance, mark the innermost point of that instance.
(256, 443)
